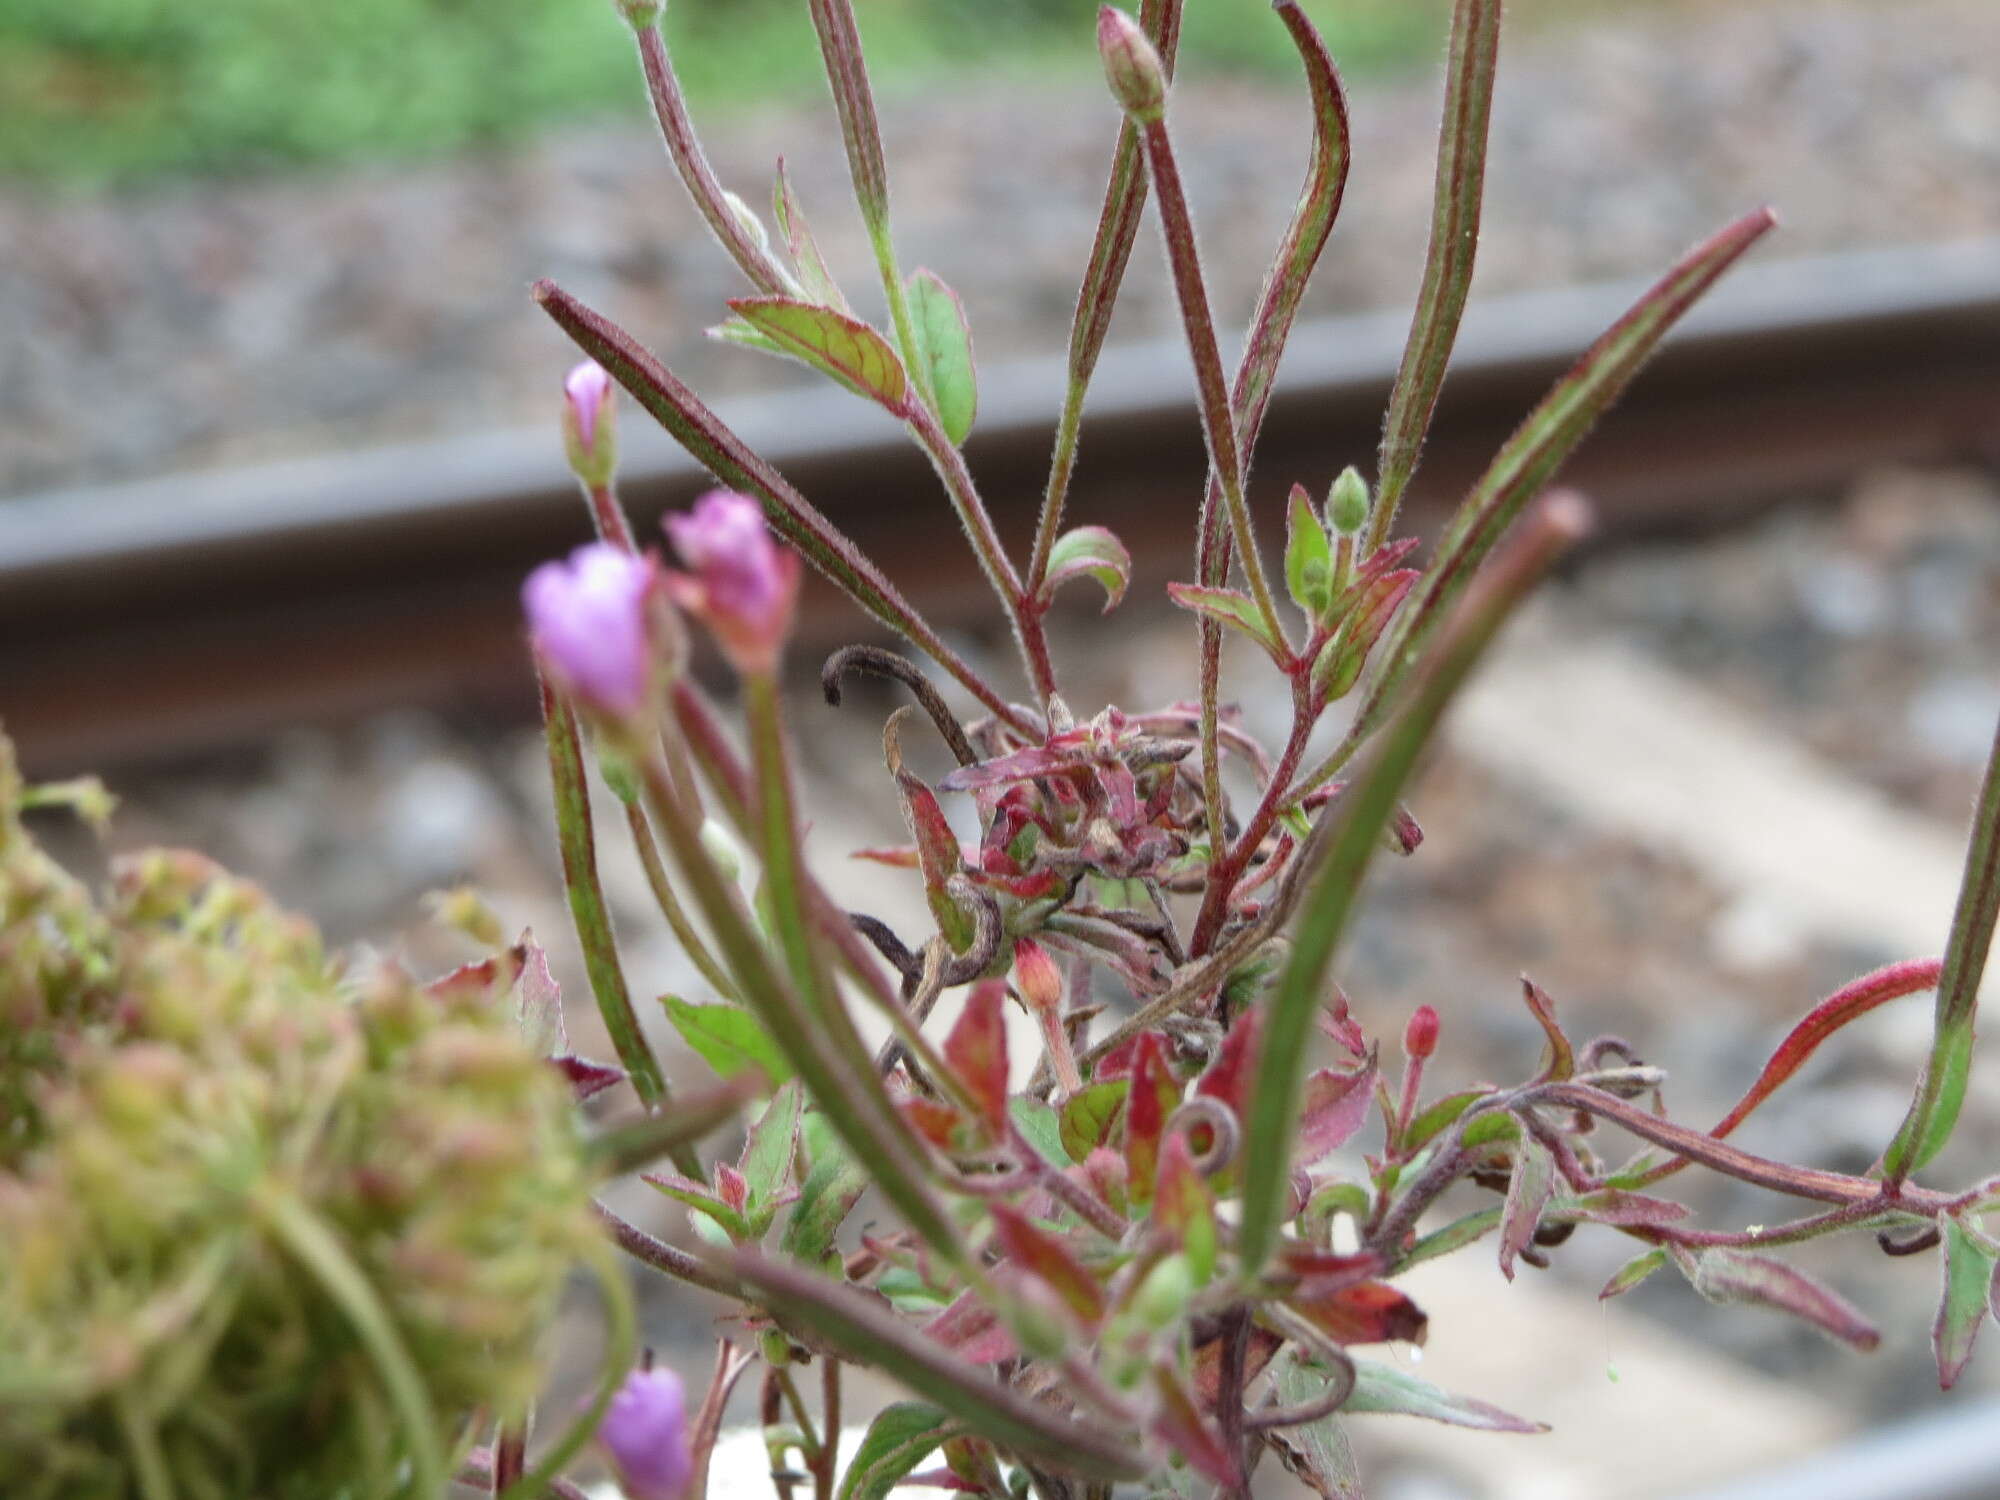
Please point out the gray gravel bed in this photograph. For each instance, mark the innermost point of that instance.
(202, 324)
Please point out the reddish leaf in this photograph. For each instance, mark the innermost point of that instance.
(1155, 1095)
(1971, 1275)
(1724, 1275)
(1529, 1189)
(731, 1187)
(587, 1079)
(1179, 1424)
(934, 1120)
(1321, 1273)
(1370, 1312)
(1561, 1060)
(1263, 1348)
(938, 856)
(1182, 1207)
(486, 978)
(1625, 1210)
(1229, 1075)
(1849, 1003)
(977, 1050)
(973, 1331)
(540, 1004)
(1335, 1107)
(1046, 1257)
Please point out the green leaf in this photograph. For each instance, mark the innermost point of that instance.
(1528, 1193)
(1091, 551)
(1232, 608)
(1317, 1453)
(814, 277)
(1308, 556)
(1970, 1262)
(1087, 1116)
(833, 343)
(901, 1437)
(1934, 1112)
(1041, 1129)
(944, 344)
(1634, 1271)
(701, 1200)
(736, 331)
(1459, 188)
(729, 1038)
(1386, 1389)
(1454, 1236)
(832, 1188)
(1437, 1116)
(767, 1154)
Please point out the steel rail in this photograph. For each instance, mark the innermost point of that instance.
(195, 610)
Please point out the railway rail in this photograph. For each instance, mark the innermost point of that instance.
(197, 610)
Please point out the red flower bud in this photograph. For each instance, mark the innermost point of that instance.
(1420, 1037)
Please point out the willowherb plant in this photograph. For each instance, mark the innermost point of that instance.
(1136, 1260)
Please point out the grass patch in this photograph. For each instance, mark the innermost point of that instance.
(101, 91)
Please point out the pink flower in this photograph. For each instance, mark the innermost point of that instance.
(645, 1432)
(587, 616)
(588, 414)
(739, 580)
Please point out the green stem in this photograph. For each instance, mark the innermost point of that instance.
(670, 906)
(307, 1239)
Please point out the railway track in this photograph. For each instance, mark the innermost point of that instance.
(197, 610)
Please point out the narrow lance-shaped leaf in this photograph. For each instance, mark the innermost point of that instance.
(1044, 1256)
(815, 279)
(719, 450)
(1336, 858)
(1848, 1003)
(833, 343)
(1104, 272)
(1384, 1388)
(1540, 446)
(1528, 1192)
(1461, 184)
(976, 1050)
(1725, 1276)
(1970, 1263)
(578, 844)
(766, 1161)
(944, 347)
(1308, 556)
(1941, 1093)
(869, 1334)
(1292, 267)
(1089, 551)
(1233, 608)
(1634, 1271)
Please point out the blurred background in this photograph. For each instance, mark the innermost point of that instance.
(279, 443)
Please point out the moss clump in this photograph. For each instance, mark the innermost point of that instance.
(269, 1227)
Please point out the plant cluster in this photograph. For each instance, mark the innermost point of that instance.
(1141, 1257)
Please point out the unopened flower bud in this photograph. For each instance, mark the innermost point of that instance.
(588, 617)
(1347, 503)
(740, 582)
(1420, 1037)
(1131, 66)
(640, 13)
(1039, 1320)
(645, 1434)
(589, 423)
(1163, 1296)
(1037, 977)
